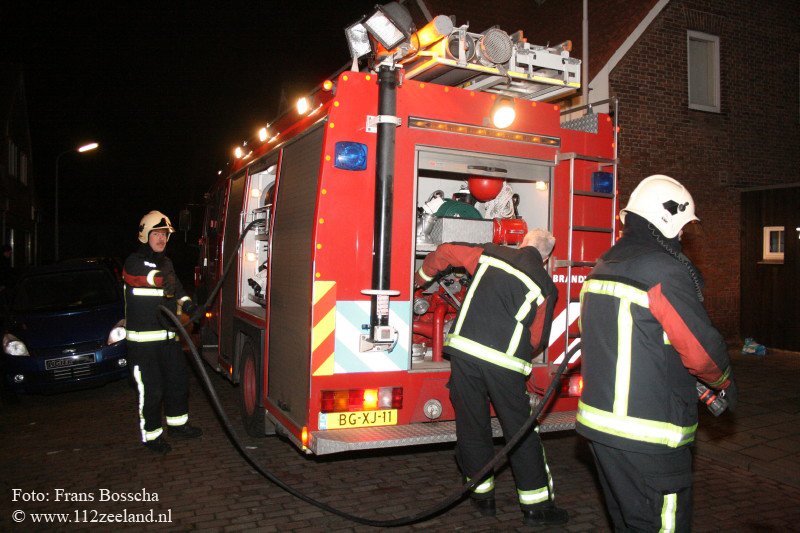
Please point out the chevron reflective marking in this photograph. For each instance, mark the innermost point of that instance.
(322, 333)
(574, 357)
(350, 316)
(560, 322)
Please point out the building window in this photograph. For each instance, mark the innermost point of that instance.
(774, 243)
(703, 61)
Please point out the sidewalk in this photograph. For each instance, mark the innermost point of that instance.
(763, 435)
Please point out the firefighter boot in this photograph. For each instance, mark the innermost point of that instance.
(158, 445)
(548, 516)
(184, 432)
(485, 506)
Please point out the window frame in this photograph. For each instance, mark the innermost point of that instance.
(769, 255)
(715, 84)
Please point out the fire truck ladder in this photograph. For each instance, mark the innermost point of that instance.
(584, 200)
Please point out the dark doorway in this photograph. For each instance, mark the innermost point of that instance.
(770, 297)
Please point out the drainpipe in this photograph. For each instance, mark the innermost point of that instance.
(585, 53)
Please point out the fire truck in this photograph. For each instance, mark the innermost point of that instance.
(319, 322)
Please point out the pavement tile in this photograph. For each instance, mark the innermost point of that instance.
(208, 486)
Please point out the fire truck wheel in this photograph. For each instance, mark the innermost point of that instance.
(249, 390)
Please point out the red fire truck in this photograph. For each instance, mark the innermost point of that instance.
(319, 322)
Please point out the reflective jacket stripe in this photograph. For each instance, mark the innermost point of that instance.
(149, 336)
(486, 353)
(486, 486)
(142, 291)
(633, 428)
(721, 380)
(622, 385)
(151, 276)
(617, 290)
(489, 354)
(423, 275)
(468, 298)
(529, 497)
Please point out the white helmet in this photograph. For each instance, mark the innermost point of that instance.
(154, 220)
(663, 202)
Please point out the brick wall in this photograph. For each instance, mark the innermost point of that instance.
(754, 141)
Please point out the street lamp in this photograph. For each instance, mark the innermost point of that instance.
(81, 149)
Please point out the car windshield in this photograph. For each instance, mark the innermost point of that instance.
(65, 290)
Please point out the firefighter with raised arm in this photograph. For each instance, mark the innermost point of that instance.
(503, 321)
(155, 354)
(646, 340)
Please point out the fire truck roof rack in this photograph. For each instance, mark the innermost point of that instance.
(495, 62)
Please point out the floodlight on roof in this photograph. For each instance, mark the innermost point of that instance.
(358, 40)
(390, 25)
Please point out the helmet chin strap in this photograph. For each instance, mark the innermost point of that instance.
(657, 235)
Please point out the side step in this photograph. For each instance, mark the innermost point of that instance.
(343, 440)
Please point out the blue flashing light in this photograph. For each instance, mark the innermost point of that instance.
(350, 156)
(603, 182)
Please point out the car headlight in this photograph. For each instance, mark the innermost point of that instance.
(117, 333)
(14, 346)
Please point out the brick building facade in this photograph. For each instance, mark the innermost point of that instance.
(638, 53)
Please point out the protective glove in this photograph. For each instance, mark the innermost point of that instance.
(170, 283)
(189, 308)
(731, 394)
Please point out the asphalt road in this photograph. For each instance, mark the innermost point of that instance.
(76, 458)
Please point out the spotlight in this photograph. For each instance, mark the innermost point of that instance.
(503, 113)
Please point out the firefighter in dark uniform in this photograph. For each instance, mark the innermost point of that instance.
(646, 340)
(157, 361)
(503, 321)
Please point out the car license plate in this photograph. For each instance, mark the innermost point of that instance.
(72, 360)
(358, 419)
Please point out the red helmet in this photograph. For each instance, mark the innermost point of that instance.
(485, 189)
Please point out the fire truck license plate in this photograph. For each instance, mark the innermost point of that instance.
(360, 419)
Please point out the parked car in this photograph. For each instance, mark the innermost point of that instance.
(64, 328)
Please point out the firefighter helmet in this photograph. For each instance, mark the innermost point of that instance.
(663, 202)
(154, 220)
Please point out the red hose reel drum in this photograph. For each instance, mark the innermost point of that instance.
(483, 188)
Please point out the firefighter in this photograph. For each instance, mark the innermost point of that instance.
(504, 320)
(646, 340)
(157, 361)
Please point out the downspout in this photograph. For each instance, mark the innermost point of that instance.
(585, 53)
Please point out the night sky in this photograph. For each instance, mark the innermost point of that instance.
(167, 88)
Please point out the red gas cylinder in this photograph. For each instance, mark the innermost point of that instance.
(509, 230)
(484, 189)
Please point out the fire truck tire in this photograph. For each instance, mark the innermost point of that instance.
(249, 392)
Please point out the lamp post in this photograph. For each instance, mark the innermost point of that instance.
(80, 149)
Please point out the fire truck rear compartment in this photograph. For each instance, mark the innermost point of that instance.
(447, 213)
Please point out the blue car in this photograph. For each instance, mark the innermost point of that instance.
(64, 329)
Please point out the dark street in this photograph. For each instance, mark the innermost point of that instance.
(83, 446)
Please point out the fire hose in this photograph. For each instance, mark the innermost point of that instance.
(454, 497)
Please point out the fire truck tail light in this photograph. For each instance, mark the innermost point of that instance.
(572, 385)
(342, 401)
(370, 399)
(350, 156)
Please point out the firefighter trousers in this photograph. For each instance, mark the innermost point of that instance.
(161, 376)
(473, 385)
(646, 491)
